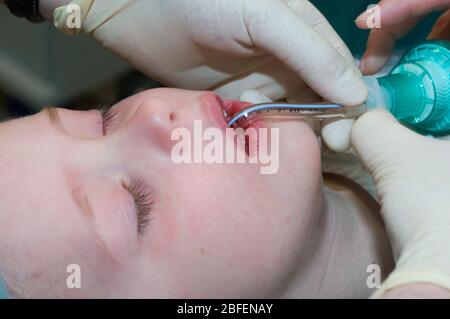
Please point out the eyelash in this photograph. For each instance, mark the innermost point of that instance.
(142, 198)
(144, 203)
(108, 116)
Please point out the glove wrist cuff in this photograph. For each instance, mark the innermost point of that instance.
(400, 278)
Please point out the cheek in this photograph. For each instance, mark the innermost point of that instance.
(251, 246)
(299, 146)
(163, 233)
(298, 181)
(147, 133)
(235, 226)
(223, 226)
(178, 213)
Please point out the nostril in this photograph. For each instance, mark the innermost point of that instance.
(172, 116)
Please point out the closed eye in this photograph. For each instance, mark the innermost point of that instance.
(108, 117)
(143, 201)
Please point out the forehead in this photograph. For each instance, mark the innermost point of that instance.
(42, 230)
(34, 200)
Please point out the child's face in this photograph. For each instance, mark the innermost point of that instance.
(68, 195)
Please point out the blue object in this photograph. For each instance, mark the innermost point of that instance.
(3, 294)
(417, 91)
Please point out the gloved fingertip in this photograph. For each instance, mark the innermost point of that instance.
(254, 96)
(378, 114)
(373, 64)
(359, 93)
(349, 91)
(361, 20)
(365, 69)
(378, 132)
(337, 135)
(361, 23)
(371, 124)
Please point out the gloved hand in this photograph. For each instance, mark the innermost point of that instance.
(397, 19)
(283, 48)
(412, 176)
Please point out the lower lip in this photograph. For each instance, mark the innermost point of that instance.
(216, 106)
(234, 107)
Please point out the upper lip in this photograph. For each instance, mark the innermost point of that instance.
(213, 106)
(223, 110)
(233, 107)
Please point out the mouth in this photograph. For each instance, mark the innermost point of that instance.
(233, 107)
(224, 110)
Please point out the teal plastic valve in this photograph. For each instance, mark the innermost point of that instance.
(417, 91)
(3, 294)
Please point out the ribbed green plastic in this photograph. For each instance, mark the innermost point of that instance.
(418, 88)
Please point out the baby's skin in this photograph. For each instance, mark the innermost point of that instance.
(112, 201)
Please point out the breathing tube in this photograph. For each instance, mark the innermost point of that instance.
(416, 92)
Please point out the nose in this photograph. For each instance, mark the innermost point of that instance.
(152, 121)
(180, 110)
(158, 113)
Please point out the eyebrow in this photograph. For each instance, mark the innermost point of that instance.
(52, 114)
(87, 212)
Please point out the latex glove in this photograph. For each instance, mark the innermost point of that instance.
(412, 176)
(280, 47)
(397, 19)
